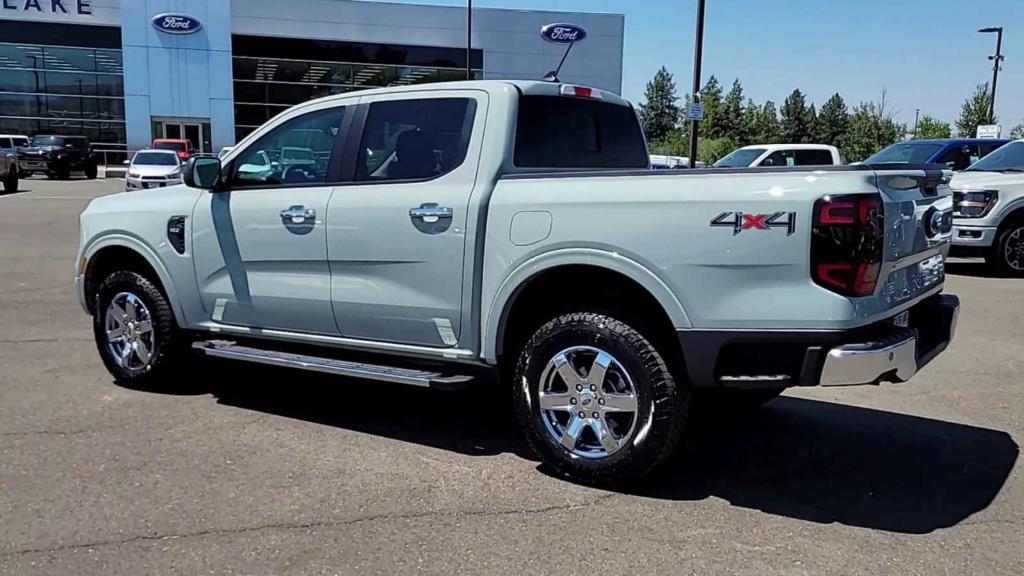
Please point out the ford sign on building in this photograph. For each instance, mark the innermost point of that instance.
(563, 33)
(176, 23)
(124, 72)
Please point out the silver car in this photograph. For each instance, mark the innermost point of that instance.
(153, 169)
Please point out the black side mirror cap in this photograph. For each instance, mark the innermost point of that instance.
(203, 172)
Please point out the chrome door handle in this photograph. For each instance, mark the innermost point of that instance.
(298, 215)
(431, 212)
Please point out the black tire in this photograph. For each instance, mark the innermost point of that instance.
(91, 171)
(1009, 238)
(51, 175)
(169, 345)
(662, 402)
(63, 172)
(11, 182)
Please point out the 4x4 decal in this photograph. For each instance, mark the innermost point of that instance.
(740, 221)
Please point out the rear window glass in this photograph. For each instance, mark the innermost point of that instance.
(176, 146)
(566, 132)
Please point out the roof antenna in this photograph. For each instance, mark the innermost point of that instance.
(561, 34)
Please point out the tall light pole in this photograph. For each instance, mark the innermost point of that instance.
(917, 114)
(997, 58)
(697, 54)
(469, 39)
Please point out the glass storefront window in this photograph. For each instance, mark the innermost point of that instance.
(62, 90)
(19, 56)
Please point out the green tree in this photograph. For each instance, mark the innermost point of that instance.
(711, 150)
(833, 121)
(871, 128)
(797, 121)
(749, 123)
(732, 113)
(1017, 131)
(711, 96)
(974, 112)
(675, 143)
(766, 128)
(660, 112)
(929, 128)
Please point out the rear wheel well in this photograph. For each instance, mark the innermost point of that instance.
(585, 288)
(113, 259)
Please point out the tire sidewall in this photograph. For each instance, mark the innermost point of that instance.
(1002, 263)
(643, 449)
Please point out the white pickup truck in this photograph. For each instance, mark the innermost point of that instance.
(989, 210)
(513, 228)
(781, 155)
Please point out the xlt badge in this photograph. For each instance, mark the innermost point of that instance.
(740, 221)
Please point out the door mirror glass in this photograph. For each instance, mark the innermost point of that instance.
(768, 162)
(203, 172)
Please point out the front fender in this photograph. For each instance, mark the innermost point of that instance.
(123, 240)
(494, 320)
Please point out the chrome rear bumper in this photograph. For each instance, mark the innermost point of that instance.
(898, 356)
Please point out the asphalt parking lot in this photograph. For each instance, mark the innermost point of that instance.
(248, 471)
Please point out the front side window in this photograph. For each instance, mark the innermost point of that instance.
(414, 139)
(298, 151)
(780, 158)
(957, 157)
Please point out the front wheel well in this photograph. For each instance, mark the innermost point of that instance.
(113, 259)
(584, 288)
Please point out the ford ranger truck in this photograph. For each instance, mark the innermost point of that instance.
(988, 210)
(448, 232)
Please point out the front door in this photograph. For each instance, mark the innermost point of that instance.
(397, 234)
(260, 247)
(196, 132)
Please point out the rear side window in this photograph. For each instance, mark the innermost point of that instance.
(813, 158)
(564, 132)
(414, 139)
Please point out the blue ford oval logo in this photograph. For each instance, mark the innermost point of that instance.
(176, 23)
(562, 33)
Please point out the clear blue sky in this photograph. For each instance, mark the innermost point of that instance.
(927, 53)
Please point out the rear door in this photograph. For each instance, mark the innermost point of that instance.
(260, 247)
(397, 232)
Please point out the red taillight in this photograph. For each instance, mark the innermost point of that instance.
(847, 243)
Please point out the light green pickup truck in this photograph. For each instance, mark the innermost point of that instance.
(445, 231)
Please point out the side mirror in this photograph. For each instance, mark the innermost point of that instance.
(951, 165)
(768, 162)
(203, 172)
(127, 162)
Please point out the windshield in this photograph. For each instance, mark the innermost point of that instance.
(905, 153)
(740, 158)
(47, 141)
(155, 159)
(1009, 158)
(176, 146)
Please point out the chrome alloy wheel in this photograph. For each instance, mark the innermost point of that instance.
(588, 402)
(1014, 250)
(131, 342)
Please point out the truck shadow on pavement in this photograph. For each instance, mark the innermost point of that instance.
(817, 461)
(833, 463)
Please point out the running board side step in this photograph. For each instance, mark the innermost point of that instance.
(409, 376)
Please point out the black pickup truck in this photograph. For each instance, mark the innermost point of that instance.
(58, 156)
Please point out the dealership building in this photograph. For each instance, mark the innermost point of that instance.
(122, 73)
